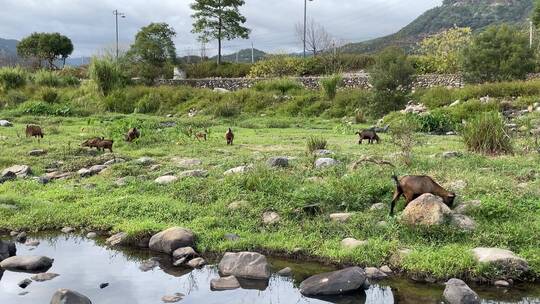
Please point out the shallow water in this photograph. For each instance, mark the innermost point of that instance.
(83, 265)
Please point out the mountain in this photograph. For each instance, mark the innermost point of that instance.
(475, 14)
(243, 56)
(8, 47)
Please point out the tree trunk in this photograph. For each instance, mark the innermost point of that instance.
(219, 41)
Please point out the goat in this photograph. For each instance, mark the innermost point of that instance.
(33, 130)
(229, 136)
(371, 136)
(414, 186)
(105, 144)
(132, 134)
(92, 142)
(201, 135)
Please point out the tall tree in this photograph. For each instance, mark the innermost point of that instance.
(536, 14)
(219, 20)
(47, 47)
(441, 52)
(153, 53)
(317, 37)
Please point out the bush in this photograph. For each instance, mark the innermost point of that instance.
(149, 103)
(106, 73)
(43, 108)
(278, 66)
(438, 121)
(402, 133)
(487, 134)
(13, 98)
(71, 81)
(49, 95)
(117, 101)
(208, 69)
(12, 78)
(47, 78)
(282, 85)
(316, 143)
(330, 85)
(226, 109)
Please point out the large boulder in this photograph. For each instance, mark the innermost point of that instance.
(19, 170)
(278, 162)
(167, 241)
(334, 283)
(426, 210)
(325, 163)
(67, 296)
(7, 249)
(503, 259)
(457, 292)
(27, 263)
(247, 265)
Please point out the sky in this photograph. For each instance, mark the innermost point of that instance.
(91, 25)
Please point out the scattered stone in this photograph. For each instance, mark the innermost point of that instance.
(270, 218)
(7, 249)
(231, 237)
(415, 108)
(67, 296)
(180, 262)
(8, 176)
(322, 152)
(334, 283)
(374, 273)
(148, 265)
(225, 283)
(87, 172)
(325, 163)
(165, 180)
(508, 261)
(187, 163)
(57, 175)
(24, 283)
(184, 252)
(145, 161)
(463, 222)
(285, 272)
(27, 263)
(465, 207)
(426, 210)
(451, 133)
(451, 154)
(455, 103)
(114, 161)
(194, 173)
(103, 285)
(386, 269)
(46, 276)
(68, 230)
(378, 206)
(351, 243)
(118, 239)
(196, 263)
(238, 170)
(340, 217)
(21, 237)
(32, 243)
(457, 292)
(278, 162)
(221, 90)
(19, 170)
(91, 235)
(501, 283)
(169, 240)
(247, 265)
(43, 180)
(382, 223)
(38, 152)
(121, 182)
(5, 123)
(237, 205)
(155, 167)
(173, 299)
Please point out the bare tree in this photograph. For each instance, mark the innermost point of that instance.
(317, 37)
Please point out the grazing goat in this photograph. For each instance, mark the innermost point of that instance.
(229, 136)
(132, 134)
(105, 144)
(414, 186)
(99, 143)
(371, 136)
(201, 135)
(33, 130)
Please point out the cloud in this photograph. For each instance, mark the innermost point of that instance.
(90, 23)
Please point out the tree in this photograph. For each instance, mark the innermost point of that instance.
(391, 77)
(536, 14)
(317, 38)
(441, 52)
(153, 53)
(47, 47)
(499, 53)
(219, 20)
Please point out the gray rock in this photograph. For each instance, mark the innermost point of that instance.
(351, 243)
(231, 237)
(427, 210)
(103, 285)
(238, 170)
(68, 230)
(91, 235)
(148, 265)
(325, 163)
(386, 269)
(21, 237)
(8, 207)
(87, 172)
(5, 123)
(187, 163)
(46, 276)
(7, 249)
(225, 283)
(38, 152)
(340, 217)
(221, 90)
(114, 161)
(334, 283)
(270, 218)
(504, 259)
(278, 162)
(194, 173)
(378, 206)
(67, 296)
(166, 179)
(118, 239)
(247, 265)
(43, 180)
(196, 263)
(184, 252)
(451, 154)
(7, 176)
(32, 243)
(145, 161)
(14, 233)
(27, 263)
(374, 273)
(169, 240)
(173, 298)
(322, 152)
(457, 292)
(501, 283)
(19, 170)
(465, 207)
(24, 283)
(463, 222)
(285, 272)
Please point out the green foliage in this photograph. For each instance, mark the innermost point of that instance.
(402, 134)
(44, 108)
(208, 69)
(13, 98)
(12, 78)
(441, 52)
(282, 85)
(330, 85)
(49, 95)
(149, 103)
(45, 47)
(487, 134)
(278, 66)
(536, 14)
(47, 78)
(316, 143)
(118, 101)
(226, 109)
(497, 54)
(107, 75)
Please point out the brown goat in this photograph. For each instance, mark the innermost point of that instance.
(414, 186)
(229, 136)
(201, 135)
(132, 134)
(370, 135)
(99, 143)
(105, 144)
(33, 131)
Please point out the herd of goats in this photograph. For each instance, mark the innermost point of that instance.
(410, 186)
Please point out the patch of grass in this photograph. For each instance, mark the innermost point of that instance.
(487, 134)
(316, 143)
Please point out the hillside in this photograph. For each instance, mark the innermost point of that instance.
(475, 14)
(243, 56)
(8, 47)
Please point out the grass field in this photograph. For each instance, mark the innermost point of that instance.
(508, 187)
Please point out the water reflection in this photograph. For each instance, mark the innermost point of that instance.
(83, 266)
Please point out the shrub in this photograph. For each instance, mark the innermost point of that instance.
(13, 98)
(487, 134)
(226, 109)
(49, 95)
(71, 81)
(316, 143)
(149, 103)
(402, 133)
(330, 85)
(106, 74)
(43, 108)
(282, 85)
(438, 122)
(117, 101)
(212, 69)
(278, 66)
(47, 78)
(12, 78)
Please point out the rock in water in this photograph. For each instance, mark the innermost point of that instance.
(27, 263)
(457, 292)
(285, 272)
(68, 230)
(426, 210)
(374, 273)
(172, 299)
(334, 283)
(225, 283)
(169, 240)
(24, 283)
(42, 277)
(67, 296)
(21, 237)
(7, 249)
(247, 265)
(185, 252)
(196, 263)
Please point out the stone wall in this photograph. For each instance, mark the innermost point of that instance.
(361, 81)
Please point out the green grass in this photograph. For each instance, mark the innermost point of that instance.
(143, 207)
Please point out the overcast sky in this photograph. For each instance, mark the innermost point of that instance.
(90, 23)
